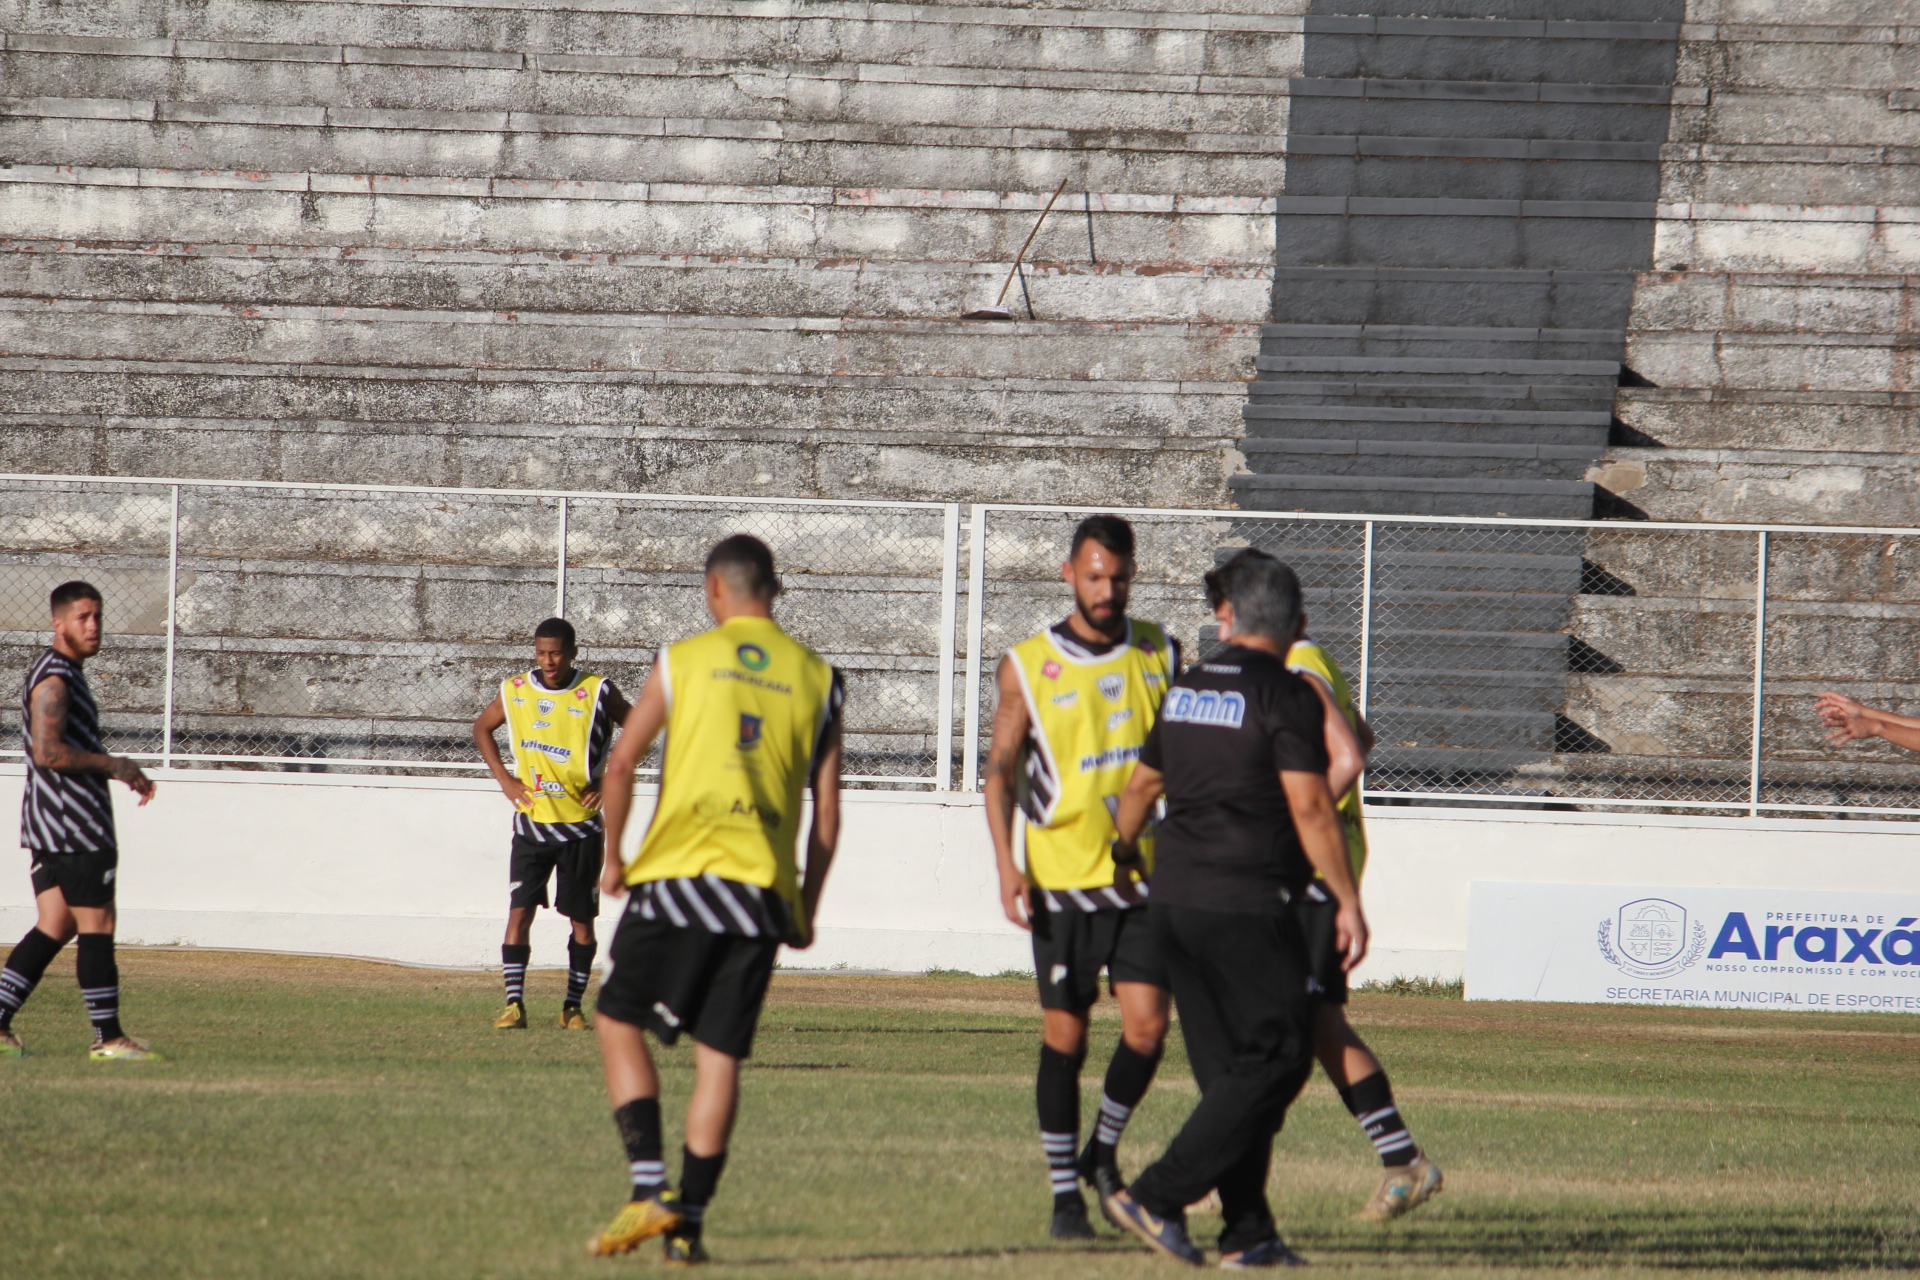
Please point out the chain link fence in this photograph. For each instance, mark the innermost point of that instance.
(1588, 665)
(362, 630)
(1568, 665)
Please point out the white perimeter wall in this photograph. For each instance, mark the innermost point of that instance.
(416, 870)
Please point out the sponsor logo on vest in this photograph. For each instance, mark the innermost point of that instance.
(1151, 677)
(749, 731)
(754, 809)
(772, 686)
(545, 705)
(552, 788)
(543, 724)
(1205, 706)
(581, 693)
(518, 681)
(1066, 699)
(1111, 687)
(1051, 670)
(1109, 758)
(575, 712)
(1120, 717)
(1649, 938)
(561, 754)
(752, 657)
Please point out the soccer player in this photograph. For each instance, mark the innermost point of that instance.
(1411, 1178)
(752, 718)
(559, 720)
(66, 826)
(1238, 754)
(1075, 705)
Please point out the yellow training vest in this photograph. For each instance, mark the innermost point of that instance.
(552, 729)
(747, 705)
(1087, 718)
(1308, 656)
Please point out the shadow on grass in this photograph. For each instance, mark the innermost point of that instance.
(1749, 1237)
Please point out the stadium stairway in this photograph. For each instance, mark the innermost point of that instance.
(1470, 189)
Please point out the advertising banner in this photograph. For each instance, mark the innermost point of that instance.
(1720, 948)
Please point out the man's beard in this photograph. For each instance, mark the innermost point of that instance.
(1114, 625)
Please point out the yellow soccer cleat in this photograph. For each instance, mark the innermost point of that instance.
(638, 1221)
(512, 1018)
(12, 1046)
(1403, 1190)
(571, 1019)
(125, 1049)
(684, 1250)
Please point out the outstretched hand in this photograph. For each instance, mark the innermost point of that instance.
(1847, 720)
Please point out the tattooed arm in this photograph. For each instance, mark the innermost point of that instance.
(51, 750)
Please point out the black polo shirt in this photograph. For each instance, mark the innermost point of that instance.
(1226, 730)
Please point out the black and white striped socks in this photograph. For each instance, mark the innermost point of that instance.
(100, 985)
(25, 965)
(1128, 1076)
(1371, 1102)
(1057, 1095)
(579, 969)
(639, 1125)
(513, 969)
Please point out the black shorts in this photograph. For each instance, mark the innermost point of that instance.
(1315, 909)
(1071, 947)
(83, 879)
(671, 978)
(576, 889)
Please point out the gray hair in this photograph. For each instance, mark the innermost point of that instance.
(1266, 599)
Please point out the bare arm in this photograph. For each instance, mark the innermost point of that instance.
(51, 750)
(642, 725)
(1009, 735)
(492, 718)
(617, 707)
(823, 839)
(1346, 760)
(1319, 827)
(1851, 721)
(1144, 785)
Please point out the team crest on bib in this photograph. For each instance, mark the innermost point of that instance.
(749, 731)
(545, 705)
(1111, 687)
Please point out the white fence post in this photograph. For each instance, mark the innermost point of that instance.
(1366, 619)
(976, 589)
(560, 572)
(173, 596)
(949, 605)
(1759, 670)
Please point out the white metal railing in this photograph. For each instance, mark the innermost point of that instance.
(1449, 623)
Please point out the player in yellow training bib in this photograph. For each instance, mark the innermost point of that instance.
(559, 722)
(1075, 705)
(1410, 1178)
(752, 720)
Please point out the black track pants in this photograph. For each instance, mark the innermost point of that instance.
(1240, 983)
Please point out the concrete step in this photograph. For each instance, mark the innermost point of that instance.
(1434, 459)
(1553, 499)
(1465, 296)
(1406, 234)
(1478, 49)
(1398, 569)
(614, 45)
(650, 219)
(1437, 426)
(1479, 109)
(1765, 485)
(1560, 396)
(1529, 691)
(620, 342)
(1430, 729)
(1709, 637)
(1597, 348)
(1471, 178)
(1768, 302)
(1417, 768)
(252, 275)
(290, 95)
(1726, 418)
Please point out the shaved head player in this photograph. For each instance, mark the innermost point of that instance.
(66, 825)
(1075, 705)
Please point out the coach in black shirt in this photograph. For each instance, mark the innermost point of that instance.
(1238, 753)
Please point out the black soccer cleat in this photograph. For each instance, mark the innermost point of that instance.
(684, 1249)
(1070, 1219)
(1268, 1253)
(1102, 1175)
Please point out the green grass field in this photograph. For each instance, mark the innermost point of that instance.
(328, 1118)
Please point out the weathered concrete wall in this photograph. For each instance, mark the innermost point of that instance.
(693, 251)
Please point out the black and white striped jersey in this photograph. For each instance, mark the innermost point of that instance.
(713, 903)
(64, 812)
(1105, 898)
(598, 738)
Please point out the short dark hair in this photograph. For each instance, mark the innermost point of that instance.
(67, 592)
(746, 564)
(556, 629)
(1111, 532)
(1266, 599)
(1219, 580)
